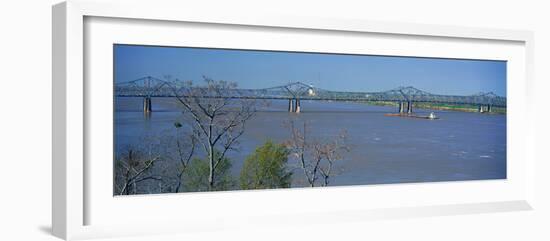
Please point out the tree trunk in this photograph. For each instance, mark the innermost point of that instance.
(211, 162)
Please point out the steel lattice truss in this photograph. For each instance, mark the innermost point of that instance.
(154, 87)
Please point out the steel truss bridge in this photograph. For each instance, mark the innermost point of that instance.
(149, 87)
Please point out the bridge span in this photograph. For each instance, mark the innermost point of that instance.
(149, 87)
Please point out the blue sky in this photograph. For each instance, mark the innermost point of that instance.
(261, 69)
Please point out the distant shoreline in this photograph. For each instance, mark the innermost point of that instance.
(439, 106)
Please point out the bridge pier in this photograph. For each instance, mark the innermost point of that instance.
(486, 108)
(147, 107)
(409, 107)
(401, 107)
(294, 105)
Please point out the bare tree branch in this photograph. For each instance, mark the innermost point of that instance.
(315, 158)
(131, 169)
(216, 117)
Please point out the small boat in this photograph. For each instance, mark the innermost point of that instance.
(432, 116)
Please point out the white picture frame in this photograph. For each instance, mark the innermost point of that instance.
(73, 186)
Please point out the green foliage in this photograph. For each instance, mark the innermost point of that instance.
(266, 168)
(196, 176)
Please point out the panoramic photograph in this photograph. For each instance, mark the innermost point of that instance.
(190, 119)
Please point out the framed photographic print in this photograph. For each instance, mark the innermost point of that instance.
(237, 120)
(220, 135)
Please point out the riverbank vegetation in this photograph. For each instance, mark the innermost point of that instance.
(266, 168)
(162, 171)
(440, 106)
(193, 156)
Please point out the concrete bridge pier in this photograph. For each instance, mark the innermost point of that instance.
(401, 106)
(483, 108)
(409, 107)
(147, 107)
(294, 105)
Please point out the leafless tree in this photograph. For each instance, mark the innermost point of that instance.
(218, 119)
(315, 158)
(298, 145)
(184, 154)
(133, 168)
(331, 151)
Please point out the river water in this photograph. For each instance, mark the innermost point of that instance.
(384, 149)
